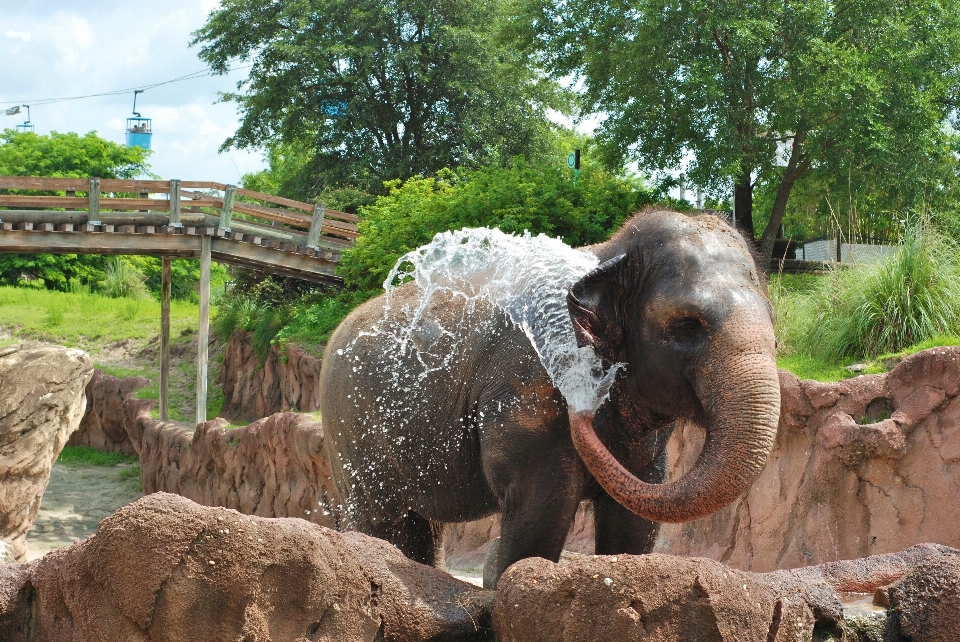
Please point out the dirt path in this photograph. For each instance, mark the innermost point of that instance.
(75, 501)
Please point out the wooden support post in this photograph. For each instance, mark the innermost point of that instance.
(175, 203)
(203, 335)
(165, 339)
(316, 224)
(94, 202)
(226, 212)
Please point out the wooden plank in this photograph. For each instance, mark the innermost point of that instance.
(112, 218)
(95, 243)
(150, 204)
(226, 211)
(202, 185)
(165, 287)
(93, 201)
(279, 200)
(175, 203)
(316, 225)
(288, 264)
(203, 333)
(46, 183)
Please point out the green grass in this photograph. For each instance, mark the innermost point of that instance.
(85, 456)
(75, 320)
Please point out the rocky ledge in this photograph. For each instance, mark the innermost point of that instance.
(41, 404)
(165, 568)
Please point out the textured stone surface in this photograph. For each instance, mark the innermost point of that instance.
(253, 389)
(927, 601)
(41, 403)
(662, 598)
(274, 467)
(111, 407)
(860, 467)
(165, 568)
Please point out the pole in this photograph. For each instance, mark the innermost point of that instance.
(165, 340)
(203, 334)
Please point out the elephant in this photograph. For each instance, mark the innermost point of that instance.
(427, 426)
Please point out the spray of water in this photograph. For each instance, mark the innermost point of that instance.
(528, 278)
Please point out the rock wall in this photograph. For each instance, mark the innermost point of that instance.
(252, 389)
(111, 407)
(860, 467)
(41, 403)
(164, 568)
(274, 467)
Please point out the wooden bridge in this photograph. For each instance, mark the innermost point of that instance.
(209, 220)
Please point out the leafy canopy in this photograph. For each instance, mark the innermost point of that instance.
(377, 90)
(522, 197)
(757, 92)
(68, 155)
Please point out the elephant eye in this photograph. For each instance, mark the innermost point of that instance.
(686, 329)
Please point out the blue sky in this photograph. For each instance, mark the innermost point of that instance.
(58, 49)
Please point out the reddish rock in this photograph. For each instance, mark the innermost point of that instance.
(865, 466)
(927, 601)
(253, 388)
(164, 568)
(41, 403)
(861, 467)
(111, 407)
(662, 598)
(274, 467)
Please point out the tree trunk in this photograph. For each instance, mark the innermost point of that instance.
(799, 163)
(743, 203)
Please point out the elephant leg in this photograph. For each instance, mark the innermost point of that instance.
(536, 518)
(616, 529)
(416, 537)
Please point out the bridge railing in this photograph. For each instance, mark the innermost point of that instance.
(181, 203)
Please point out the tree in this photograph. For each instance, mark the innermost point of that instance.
(760, 92)
(377, 90)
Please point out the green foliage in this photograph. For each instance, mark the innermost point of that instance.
(30, 154)
(865, 310)
(364, 91)
(79, 319)
(540, 199)
(764, 93)
(86, 456)
(123, 279)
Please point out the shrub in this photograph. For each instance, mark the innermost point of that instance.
(123, 279)
(861, 311)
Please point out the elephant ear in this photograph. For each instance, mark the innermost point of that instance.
(595, 306)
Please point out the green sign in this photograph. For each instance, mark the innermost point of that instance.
(572, 160)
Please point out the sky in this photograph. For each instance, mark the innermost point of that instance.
(54, 49)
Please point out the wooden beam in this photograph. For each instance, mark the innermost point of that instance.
(203, 334)
(226, 212)
(107, 218)
(153, 204)
(175, 203)
(51, 184)
(165, 287)
(93, 198)
(99, 243)
(316, 225)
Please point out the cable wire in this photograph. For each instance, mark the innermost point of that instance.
(47, 101)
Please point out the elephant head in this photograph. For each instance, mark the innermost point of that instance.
(680, 302)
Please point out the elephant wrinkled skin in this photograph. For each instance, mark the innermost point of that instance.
(481, 428)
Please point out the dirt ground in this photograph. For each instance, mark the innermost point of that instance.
(75, 501)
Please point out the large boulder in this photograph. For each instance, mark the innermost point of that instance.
(663, 598)
(41, 402)
(274, 467)
(860, 467)
(255, 387)
(111, 407)
(165, 568)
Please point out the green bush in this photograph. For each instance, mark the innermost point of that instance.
(123, 279)
(862, 311)
(540, 199)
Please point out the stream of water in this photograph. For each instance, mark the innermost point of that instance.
(526, 276)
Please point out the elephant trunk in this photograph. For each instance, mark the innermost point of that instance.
(741, 401)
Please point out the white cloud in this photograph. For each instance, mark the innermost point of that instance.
(99, 46)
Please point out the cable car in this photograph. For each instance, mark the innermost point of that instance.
(26, 126)
(139, 129)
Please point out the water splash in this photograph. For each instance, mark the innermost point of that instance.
(526, 276)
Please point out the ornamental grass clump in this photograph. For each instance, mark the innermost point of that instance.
(867, 310)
